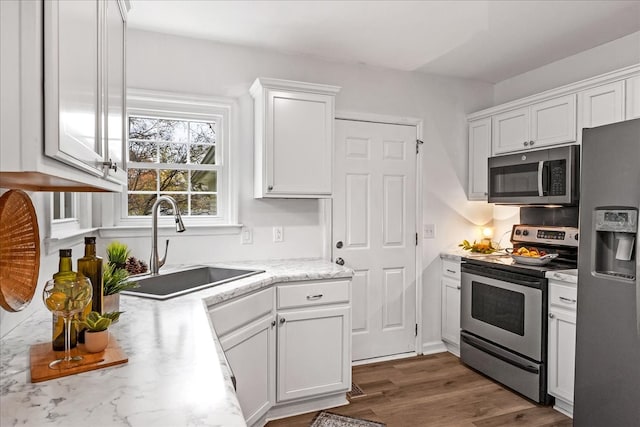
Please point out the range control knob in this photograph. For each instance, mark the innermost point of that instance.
(576, 236)
(525, 232)
(518, 232)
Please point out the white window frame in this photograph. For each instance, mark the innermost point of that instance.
(191, 107)
(64, 226)
(67, 232)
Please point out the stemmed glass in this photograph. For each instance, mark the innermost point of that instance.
(65, 298)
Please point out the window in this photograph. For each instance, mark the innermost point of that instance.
(179, 146)
(63, 207)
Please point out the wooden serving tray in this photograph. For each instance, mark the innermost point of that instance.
(42, 354)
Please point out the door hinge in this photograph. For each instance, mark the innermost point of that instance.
(416, 239)
(418, 144)
(416, 329)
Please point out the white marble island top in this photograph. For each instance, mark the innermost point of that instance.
(176, 375)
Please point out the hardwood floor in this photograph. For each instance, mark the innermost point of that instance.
(435, 390)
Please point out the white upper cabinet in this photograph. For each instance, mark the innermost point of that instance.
(293, 138)
(542, 124)
(479, 152)
(633, 98)
(77, 49)
(601, 105)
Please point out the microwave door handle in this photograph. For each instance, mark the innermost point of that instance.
(540, 174)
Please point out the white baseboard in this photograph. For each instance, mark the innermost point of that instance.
(283, 410)
(564, 407)
(433, 347)
(383, 358)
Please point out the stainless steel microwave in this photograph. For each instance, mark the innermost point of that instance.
(542, 177)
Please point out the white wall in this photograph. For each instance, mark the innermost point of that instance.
(610, 56)
(163, 62)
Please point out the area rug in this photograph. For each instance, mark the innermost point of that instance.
(327, 419)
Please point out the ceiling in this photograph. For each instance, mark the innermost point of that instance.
(483, 40)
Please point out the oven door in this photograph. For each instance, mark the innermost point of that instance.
(504, 308)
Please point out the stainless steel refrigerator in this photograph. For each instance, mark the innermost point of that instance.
(607, 381)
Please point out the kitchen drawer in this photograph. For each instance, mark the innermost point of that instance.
(563, 296)
(229, 316)
(451, 269)
(304, 294)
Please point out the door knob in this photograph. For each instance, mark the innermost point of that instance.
(339, 261)
(339, 244)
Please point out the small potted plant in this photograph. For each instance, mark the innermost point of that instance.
(115, 276)
(96, 336)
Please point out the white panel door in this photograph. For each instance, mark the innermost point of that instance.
(510, 131)
(451, 310)
(479, 152)
(562, 354)
(553, 121)
(374, 232)
(600, 106)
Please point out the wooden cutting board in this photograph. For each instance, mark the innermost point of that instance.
(42, 354)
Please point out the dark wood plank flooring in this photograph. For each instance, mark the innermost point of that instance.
(435, 390)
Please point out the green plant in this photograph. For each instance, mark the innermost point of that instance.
(118, 253)
(116, 280)
(96, 322)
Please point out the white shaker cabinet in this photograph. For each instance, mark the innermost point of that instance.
(293, 138)
(542, 124)
(562, 344)
(450, 282)
(601, 105)
(633, 98)
(479, 152)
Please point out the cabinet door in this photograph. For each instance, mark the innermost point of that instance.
(71, 76)
(601, 105)
(562, 354)
(114, 101)
(511, 131)
(633, 98)
(299, 149)
(251, 353)
(479, 152)
(451, 311)
(313, 352)
(553, 121)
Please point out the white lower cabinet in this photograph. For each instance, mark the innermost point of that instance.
(450, 327)
(562, 345)
(290, 352)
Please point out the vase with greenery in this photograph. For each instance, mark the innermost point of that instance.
(96, 328)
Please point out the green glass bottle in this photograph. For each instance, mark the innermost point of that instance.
(90, 266)
(65, 272)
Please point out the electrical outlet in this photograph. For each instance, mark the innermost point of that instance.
(246, 236)
(429, 231)
(277, 234)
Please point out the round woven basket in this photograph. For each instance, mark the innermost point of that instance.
(19, 250)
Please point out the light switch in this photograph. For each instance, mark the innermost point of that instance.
(246, 237)
(277, 235)
(429, 231)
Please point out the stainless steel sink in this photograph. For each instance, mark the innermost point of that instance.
(169, 284)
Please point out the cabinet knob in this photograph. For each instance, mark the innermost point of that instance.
(531, 143)
(458, 287)
(486, 194)
(282, 320)
(273, 323)
(339, 261)
(526, 143)
(551, 316)
(339, 244)
(270, 188)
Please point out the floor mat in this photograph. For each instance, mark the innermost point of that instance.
(327, 419)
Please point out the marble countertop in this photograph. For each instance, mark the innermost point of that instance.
(176, 374)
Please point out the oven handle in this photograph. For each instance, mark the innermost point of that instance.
(499, 275)
(478, 344)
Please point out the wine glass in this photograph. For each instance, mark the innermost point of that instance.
(65, 298)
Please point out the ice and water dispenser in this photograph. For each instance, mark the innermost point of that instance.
(616, 232)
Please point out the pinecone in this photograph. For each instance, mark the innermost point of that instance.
(135, 266)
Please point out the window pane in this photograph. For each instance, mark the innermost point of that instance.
(173, 153)
(181, 200)
(143, 151)
(68, 205)
(203, 133)
(204, 204)
(140, 204)
(142, 180)
(56, 205)
(204, 181)
(172, 130)
(173, 180)
(143, 128)
(203, 154)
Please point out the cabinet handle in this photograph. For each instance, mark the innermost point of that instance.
(270, 188)
(551, 316)
(273, 323)
(568, 300)
(451, 271)
(110, 165)
(531, 143)
(526, 143)
(314, 297)
(282, 320)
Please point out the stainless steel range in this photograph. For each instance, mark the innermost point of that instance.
(503, 311)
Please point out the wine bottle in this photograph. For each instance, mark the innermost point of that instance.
(65, 272)
(90, 266)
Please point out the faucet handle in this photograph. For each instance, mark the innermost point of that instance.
(162, 260)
